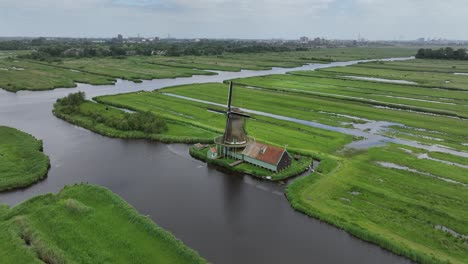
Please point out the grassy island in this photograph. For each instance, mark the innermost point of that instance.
(85, 224)
(22, 161)
(297, 166)
(113, 122)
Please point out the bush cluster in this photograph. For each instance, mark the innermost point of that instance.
(442, 53)
(138, 121)
(146, 122)
(71, 103)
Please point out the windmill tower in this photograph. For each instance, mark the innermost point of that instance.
(234, 138)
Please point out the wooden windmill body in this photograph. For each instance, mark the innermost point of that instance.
(234, 138)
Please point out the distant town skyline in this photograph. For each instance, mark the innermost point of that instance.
(254, 19)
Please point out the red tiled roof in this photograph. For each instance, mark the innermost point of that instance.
(213, 150)
(265, 153)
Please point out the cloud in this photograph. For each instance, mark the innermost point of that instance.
(374, 19)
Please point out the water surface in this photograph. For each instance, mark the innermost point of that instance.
(226, 218)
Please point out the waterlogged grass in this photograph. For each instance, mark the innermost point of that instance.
(426, 65)
(382, 94)
(395, 209)
(18, 75)
(446, 80)
(267, 60)
(327, 110)
(328, 54)
(44, 76)
(22, 161)
(85, 224)
(449, 158)
(297, 166)
(131, 68)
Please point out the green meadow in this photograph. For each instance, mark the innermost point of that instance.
(20, 74)
(22, 161)
(399, 210)
(399, 197)
(440, 75)
(85, 224)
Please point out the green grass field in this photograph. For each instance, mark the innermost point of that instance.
(17, 74)
(438, 75)
(22, 161)
(396, 209)
(401, 210)
(85, 224)
(268, 130)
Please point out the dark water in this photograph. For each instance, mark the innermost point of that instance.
(227, 219)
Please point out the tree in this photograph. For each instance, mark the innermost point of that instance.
(460, 54)
(449, 52)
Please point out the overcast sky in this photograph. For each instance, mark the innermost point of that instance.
(343, 19)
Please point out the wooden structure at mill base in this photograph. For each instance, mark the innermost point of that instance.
(236, 144)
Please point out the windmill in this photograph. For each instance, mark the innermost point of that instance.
(234, 136)
(235, 143)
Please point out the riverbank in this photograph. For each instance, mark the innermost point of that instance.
(85, 224)
(398, 209)
(22, 161)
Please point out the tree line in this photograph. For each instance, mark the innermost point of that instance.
(50, 50)
(447, 53)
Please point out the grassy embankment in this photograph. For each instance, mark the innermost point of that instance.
(396, 209)
(22, 161)
(297, 166)
(17, 74)
(85, 224)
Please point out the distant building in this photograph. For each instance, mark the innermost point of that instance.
(304, 39)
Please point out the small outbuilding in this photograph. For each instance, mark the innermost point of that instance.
(212, 153)
(199, 146)
(266, 156)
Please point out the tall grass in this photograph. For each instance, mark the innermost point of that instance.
(22, 161)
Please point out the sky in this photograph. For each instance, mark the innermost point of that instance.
(248, 19)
